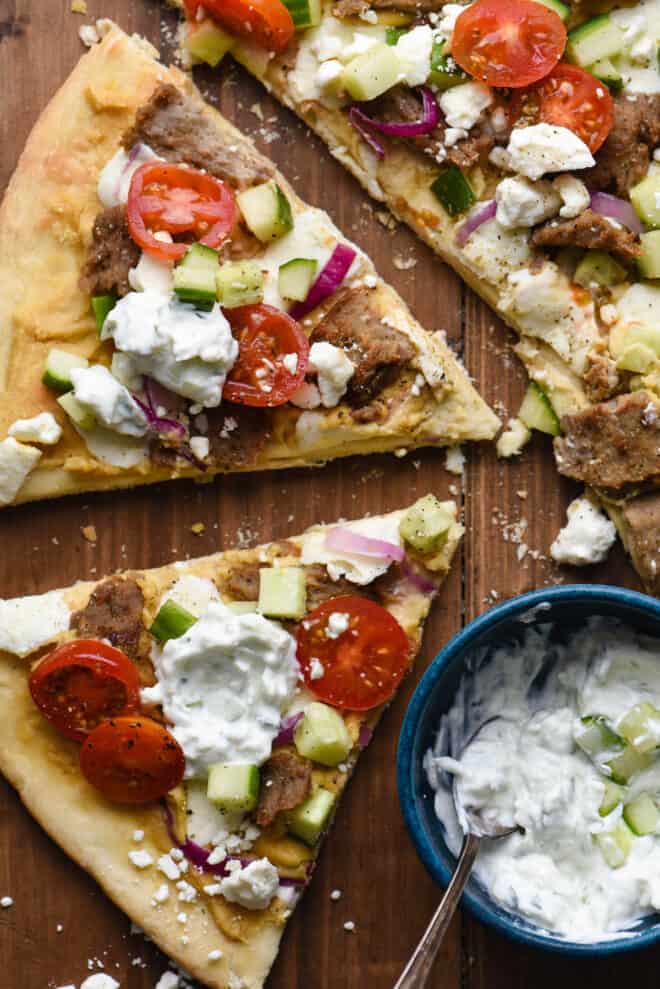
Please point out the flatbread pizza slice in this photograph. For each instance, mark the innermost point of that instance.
(520, 141)
(170, 307)
(185, 733)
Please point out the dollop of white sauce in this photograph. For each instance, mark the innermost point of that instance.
(521, 706)
(108, 400)
(115, 179)
(356, 567)
(224, 685)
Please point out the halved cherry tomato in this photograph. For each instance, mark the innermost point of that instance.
(569, 97)
(265, 336)
(132, 760)
(266, 22)
(508, 42)
(83, 682)
(166, 197)
(364, 665)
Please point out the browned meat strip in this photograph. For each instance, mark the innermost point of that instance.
(113, 612)
(111, 254)
(612, 444)
(601, 377)
(353, 8)
(641, 517)
(321, 587)
(624, 158)
(175, 127)
(242, 582)
(377, 350)
(237, 434)
(589, 230)
(285, 782)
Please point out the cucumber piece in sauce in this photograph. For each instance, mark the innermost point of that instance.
(613, 795)
(58, 367)
(296, 277)
(453, 191)
(597, 38)
(233, 788)
(266, 210)
(311, 818)
(641, 815)
(596, 738)
(171, 622)
(282, 592)
(641, 727)
(615, 845)
(240, 283)
(537, 412)
(194, 277)
(626, 765)
(322, 736)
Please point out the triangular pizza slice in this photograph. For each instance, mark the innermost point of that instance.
(185, 733)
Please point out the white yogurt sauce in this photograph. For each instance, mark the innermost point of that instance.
(524, 769)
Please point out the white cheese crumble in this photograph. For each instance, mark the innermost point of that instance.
(454, 460)
(115, 179)
(162, 894)
(574, 195)
(187, 892)
(334, 369)
(290, 362)
(252, 886)
(335, 895)
(138, 835)
(100, 981)
(141, 859)
(29, 622)
(108, 400)
(43, 428)
(192, 593)
(587, 536)
(168, 980)
(6, 902)
(152, 274)
(17, 460)
(413, 50)
(356, 567)
(463, 105)
(523, 203)
(337, 624)
(542, 148)
(168, 867)
(513, 439)
(200, 446)
(316, 668)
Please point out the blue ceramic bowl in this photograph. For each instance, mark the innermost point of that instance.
(570, 605)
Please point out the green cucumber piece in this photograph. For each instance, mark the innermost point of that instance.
(596, 738)
(615, 845)
(426, 525)
(537, 412)
(296, 277)
(266, 210)
(282, 592)
(171, 622)
(101, 306)
(641, 727)
(207, 42)
(445, 72)
(559, 8)
(77, 413)
(233, 788)
(597, 38)
(626, 765)
(392, 34)
(322, 736)
(240, 283)
(194, 277)
(311, 818)
(598, 268)
(641, 815)
(453, 191)
(648, 261)
(58, 367)
(645, 197)
(613, 795)
(304, 13)
(606, 72)
(371, 74)
(637, 357)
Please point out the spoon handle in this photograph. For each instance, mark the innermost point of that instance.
(417, 970)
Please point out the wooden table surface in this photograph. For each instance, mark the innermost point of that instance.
(61, 925)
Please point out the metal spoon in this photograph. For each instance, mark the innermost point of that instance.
(417, 970)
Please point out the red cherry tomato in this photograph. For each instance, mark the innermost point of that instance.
(569, 97)
(265, 336)
(364, 665)
(266, 22)
(132, 760)
(83, 682)
(166, 197)
(508, 42)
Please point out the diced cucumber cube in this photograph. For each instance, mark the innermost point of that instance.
(453, 191)
(207, 42)
(626, 765)
(101, 306)
(606, 71)
(597, 38)
(615, 845)
(171, 622)
(537, 412)
(240, 283)
(77, 413)
(613, 795)
(648, 261)
(311, 818)
(645, 197)
(445, 71)
(58, 367)
(637, 357)
(296, 277)
(559, 8)
(641, 727)
(194, 277)
(371, 74)
(598, 268)
(596, 738)
(233, 788)
(266, 210)
(322, 736)
(641, 815)
(426, 524)
(304, 13)
(282, 592)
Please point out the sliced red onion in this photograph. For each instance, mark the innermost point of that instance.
(365, 736)
(480, 214)
(327, 281)
(347, 541)
(422, 583)
(407, 128)
(160, 397)
(363, 126)
(164, 427)
(285, 736)
(616, 209)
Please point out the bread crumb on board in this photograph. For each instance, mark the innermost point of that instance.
(78, 6)
(89, 533)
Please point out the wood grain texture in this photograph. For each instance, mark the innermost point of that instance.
(60, 921)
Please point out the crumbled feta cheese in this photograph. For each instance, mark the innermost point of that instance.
(162, 894)
(290, 362)
(16, 462)
(349, 926)
(413, 50)
(522, 203)
(337, 624)
(108, 400)
(182, 918)
(463, 105)
(138, 835)
(453, 135)
(307, 396)
(141, 859)
(334, 369)
(316, 668)
(512, 440)
(151, 274)
(100, 981)
(335, 895)
(6, 902)
(215, 955)
(445, 20)
(168, 867)
(454, 460)
(168, 980)
(213, 889)
(574, 194)
(542, 148)
(499, 157)
(176, 854)
(609, 314)
(252, 886)
(187, 893)
(587, 536)
(200, 446)
(42, 428)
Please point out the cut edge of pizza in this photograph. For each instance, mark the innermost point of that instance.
(587, 321)
(129, 356)
(266, 714)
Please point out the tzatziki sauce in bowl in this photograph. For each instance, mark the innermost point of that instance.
(544, 715)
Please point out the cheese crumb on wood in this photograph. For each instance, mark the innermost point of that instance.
(197, 528)
(78, 6)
